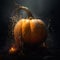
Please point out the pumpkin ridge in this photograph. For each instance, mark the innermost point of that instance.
(26, 30)
(30, 30)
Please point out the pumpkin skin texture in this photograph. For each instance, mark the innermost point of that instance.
(30, 31)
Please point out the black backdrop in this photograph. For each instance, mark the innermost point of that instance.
(6, 6)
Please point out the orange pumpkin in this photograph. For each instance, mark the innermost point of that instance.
(30, 30)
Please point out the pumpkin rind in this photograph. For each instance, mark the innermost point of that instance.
(30, 31)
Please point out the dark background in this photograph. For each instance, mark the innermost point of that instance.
(49, 9)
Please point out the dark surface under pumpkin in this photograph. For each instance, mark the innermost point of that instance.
(44, 54)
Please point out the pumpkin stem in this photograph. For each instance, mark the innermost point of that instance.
(30, 18)
(25, 9)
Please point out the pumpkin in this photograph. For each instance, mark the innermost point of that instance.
(29, 30)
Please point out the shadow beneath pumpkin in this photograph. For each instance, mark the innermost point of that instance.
(41, 53)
